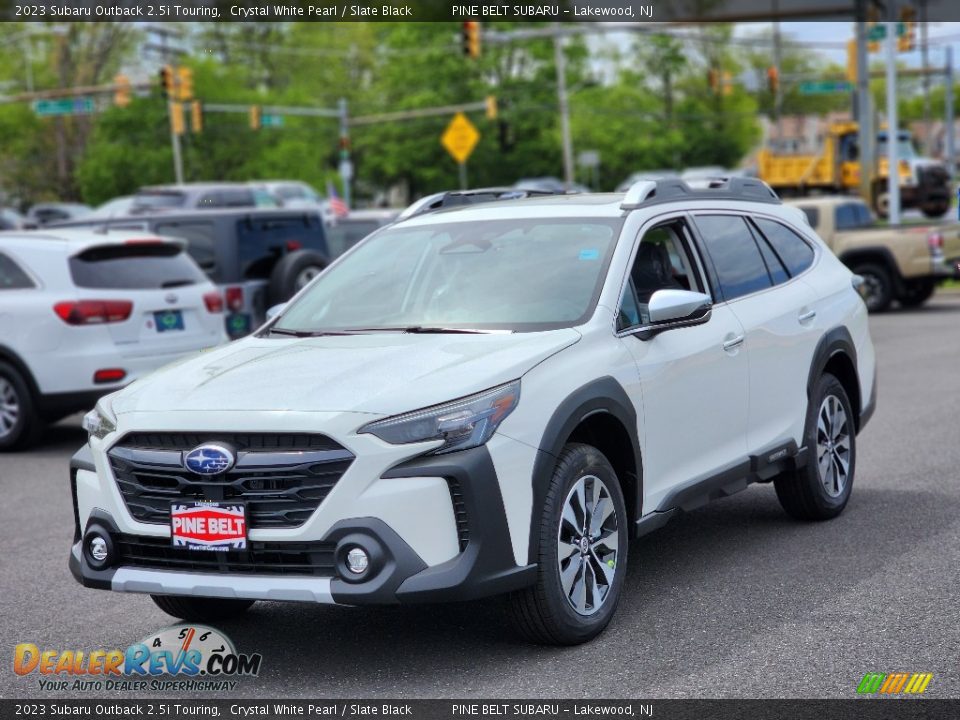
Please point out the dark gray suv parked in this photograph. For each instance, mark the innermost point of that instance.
(258, 258)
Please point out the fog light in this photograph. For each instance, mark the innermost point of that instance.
(357, 561)
(98, 548)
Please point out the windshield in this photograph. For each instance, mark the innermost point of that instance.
(159, 200)
(517, 275)
(905, 148)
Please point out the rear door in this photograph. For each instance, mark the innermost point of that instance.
(757, 262)
(165, 289)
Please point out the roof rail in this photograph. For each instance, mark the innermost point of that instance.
(455, 198)
(650, 192)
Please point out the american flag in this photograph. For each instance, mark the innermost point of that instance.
(337, 205)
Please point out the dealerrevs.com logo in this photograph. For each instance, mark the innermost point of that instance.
(178, 658)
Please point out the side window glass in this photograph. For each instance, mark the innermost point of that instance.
(776, 268)
(846, 217)
(736, 258)
(199, 237)
(813, 215)
(11, 276)
(793, 250)
(662, 263)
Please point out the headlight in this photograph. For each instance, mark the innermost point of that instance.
(461, 424)
(99, 422)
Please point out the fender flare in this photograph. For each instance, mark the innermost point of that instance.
(603, 395)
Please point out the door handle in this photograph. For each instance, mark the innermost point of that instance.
(809, 315)
(736, 342)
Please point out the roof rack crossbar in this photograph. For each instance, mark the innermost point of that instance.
(650, 192)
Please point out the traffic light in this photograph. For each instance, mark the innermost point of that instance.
(184, 83)
(906, 29)
(121, 91)
(491, 103)
(177, 124)
(773, 79)
(167, 82)
(852, 60)
(196, 116)
(255, 117)
(727, 83)
(471, 39)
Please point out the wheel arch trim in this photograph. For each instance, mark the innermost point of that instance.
(601, 396)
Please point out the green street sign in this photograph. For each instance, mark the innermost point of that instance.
(271, 121)
(64, 106)
(825, 87)
(878, 32)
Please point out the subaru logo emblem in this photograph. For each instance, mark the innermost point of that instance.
(208, 459)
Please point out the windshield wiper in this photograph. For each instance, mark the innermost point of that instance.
(428, 329)
(303, 333)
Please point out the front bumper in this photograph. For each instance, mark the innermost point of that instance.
(485, 564)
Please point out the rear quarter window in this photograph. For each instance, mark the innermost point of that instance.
(792, 250)
(200, 237)
(12, 277)
(134, 267)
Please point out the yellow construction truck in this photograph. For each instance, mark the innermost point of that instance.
(924, 182)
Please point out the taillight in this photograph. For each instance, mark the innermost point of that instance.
(108, 375)
(213, 301)
(93, 312)
(235, 298)
(935, 240)
(293, 245)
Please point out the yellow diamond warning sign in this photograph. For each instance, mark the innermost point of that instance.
(460, 138)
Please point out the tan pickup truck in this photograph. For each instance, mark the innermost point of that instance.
(902, 263)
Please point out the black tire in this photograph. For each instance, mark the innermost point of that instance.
(803, 493)
(290, 272)
(935, 209)
(201, 609)
(17, 404)
(543, 613)
(878, 286)
(917, 292)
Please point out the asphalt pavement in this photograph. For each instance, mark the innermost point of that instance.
(733, 600)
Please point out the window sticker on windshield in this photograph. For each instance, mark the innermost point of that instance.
(589, 254)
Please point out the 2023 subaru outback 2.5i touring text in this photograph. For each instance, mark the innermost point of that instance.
(491, 399)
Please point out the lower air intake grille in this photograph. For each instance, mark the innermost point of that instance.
(315, 559)
(459, 513)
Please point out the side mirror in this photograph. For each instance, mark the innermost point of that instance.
(275, 310)
(669, 309)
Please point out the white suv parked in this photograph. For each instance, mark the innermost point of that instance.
(83, 313)
(491, 399)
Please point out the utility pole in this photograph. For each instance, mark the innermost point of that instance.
(893, 162)
(865, 132)
(563, 100)
(778, 92)
(165, 55)
(949, 150)
(924, 59)
(346, 166)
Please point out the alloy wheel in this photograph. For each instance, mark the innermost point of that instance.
(9, 407)
(587, 545)
(833, 446)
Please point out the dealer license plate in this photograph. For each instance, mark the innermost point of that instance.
(218, 526)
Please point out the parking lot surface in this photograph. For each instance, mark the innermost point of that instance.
(733, 600)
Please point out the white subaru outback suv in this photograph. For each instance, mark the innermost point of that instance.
(484, 400)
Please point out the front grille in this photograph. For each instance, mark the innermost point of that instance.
(459, 513)
(262, 558)
(281, 479)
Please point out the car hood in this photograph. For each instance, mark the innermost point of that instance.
(380, 373)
